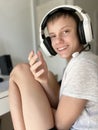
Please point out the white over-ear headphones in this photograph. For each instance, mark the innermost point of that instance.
(84, 29)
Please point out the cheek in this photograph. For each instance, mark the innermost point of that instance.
(73, 44)
(74, 40)
(53, 46)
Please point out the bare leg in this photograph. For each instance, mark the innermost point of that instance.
(16, 106)
(30, 108)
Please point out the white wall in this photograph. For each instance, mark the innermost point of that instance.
(15, 29)
(39, 2)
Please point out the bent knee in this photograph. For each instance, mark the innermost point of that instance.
(19, 69)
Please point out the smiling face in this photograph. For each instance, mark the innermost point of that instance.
(64, 37)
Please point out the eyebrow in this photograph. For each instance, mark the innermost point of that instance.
(65, 27)
(61, 29)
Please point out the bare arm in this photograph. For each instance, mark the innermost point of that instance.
(69, 109)
(52, 88)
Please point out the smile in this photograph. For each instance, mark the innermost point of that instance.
(62, 48)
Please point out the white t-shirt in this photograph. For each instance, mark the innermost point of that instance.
(80, 80)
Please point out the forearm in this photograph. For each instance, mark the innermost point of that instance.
(52, 89)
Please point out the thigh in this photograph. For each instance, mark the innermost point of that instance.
(37, 111)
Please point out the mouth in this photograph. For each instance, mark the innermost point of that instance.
(60, 49)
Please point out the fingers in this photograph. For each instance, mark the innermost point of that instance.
(30, 55)
(32, 58)
(40, 56)
(36, 63)
(37, 73)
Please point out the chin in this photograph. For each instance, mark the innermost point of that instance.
(64, 56)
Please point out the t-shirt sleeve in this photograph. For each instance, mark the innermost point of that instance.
(82, 81)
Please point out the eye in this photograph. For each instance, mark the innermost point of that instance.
(66, 31)
(52, 37)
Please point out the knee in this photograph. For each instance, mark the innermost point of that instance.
(18, 70)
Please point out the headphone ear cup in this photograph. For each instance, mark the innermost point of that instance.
(47, 43)
(81, 33)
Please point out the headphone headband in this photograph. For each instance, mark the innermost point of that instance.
(51, 13)
(85, 29)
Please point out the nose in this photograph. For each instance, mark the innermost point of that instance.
(58, 39)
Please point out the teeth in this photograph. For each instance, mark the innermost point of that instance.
(60, 49)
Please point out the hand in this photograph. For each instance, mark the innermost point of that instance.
(38, 67)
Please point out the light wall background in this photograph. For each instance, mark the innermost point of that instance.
(15, 29)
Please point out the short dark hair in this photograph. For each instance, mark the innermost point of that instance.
(63, 12)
